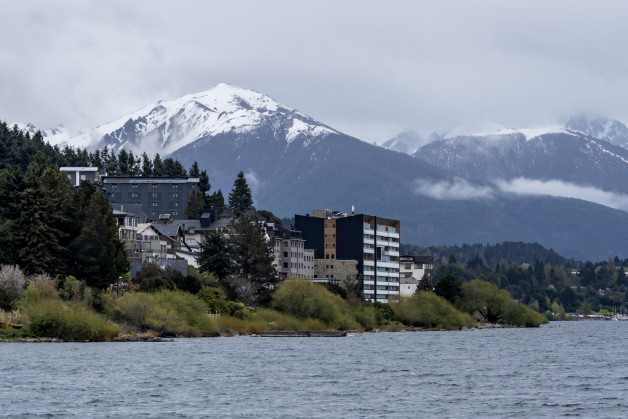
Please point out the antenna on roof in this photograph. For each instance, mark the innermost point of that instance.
(352, 209)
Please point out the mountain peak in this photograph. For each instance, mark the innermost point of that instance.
(605, 129)
(168, 125)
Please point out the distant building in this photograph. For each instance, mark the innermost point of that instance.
(127, 231)
(292, 259)
(78, 174)
(337, 271)
(412, 269)
(157, 195)
(370, 240)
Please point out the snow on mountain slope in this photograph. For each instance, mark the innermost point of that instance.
(167, 126)
(543, 154)
(603, 128)
(408, 141)
(54, 136)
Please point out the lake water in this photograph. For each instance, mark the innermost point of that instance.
(561, 369)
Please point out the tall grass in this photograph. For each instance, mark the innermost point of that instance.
(428, 310)
(166, 312)
(48, 316)
(253, 321)
(304, 299)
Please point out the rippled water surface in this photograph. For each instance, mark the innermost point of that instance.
(561, 369)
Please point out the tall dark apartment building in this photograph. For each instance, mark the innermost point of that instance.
(157, 195)
(370, 240)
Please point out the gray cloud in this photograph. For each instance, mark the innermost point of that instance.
(461, 189)
(367, 68)
(523, 186)
(455, 189)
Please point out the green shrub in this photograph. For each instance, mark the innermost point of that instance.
(304, 299)
(72, 289)
(428, 310)
(190, 307)
(51, 317)
(367, 316)
(41, 288)
(253, 321)
(215, 302)
(485, 300)
(167, 312)
(156, 283)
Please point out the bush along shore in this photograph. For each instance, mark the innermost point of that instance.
(42, 309)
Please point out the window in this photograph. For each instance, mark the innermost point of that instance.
(154, 204)
(175, 186)
(285, 265)
(333, 256)
(285, 254)
(134, 186)
(154, 186)
(327, 256)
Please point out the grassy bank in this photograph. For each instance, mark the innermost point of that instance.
(46, 309)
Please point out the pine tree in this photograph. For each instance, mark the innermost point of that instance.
(194, 170)
(240, 199)
(37, 233)
(213, 257)
(158, 167)
(196, 204)
(99, 255)
(169, 167)
(251, 253)
(134, 164)
(147, 165)
(123, 162)
(424, 284)
(95, 160)
(215, 201)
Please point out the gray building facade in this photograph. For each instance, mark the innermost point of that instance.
(157, 195)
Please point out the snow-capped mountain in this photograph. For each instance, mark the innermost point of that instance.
(543, 154)
(167, 126)
(408, 141)
(446, 193)
(54, 136)
(603, 128)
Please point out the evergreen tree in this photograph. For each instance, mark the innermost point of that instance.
(424, 284)
(147, 165)
(113, 168)
(99, 256)
(204, 186)
(449, 287)
(194, 170)
(240, 199)
(179, 170)
(169, 167)
(95, 160)
(215, 201)
(213, 257)
(251, 254)
(10, 187)
(134, 164)
(158, 167)
(38, 239)
(123, 163)
(196, 204)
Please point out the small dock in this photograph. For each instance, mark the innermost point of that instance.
(302, 333)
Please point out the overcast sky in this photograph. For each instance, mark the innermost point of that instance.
(367, 68)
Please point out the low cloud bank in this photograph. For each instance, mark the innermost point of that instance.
(461, 189)
(455, 189)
